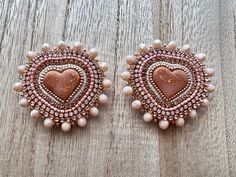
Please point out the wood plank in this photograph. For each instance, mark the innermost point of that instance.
(118, 142)
(200, 147)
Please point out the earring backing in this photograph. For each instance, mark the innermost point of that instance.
(63, 85)
(167, 83)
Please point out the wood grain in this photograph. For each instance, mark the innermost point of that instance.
(118, 142)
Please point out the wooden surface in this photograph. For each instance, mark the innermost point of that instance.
(118, 142)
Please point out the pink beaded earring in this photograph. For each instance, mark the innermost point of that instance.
(167, 83)
(63, 85)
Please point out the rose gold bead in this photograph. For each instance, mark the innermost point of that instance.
(147, 117)
(130, 60)
(210, 72)
(31, 55)
(18, 87)
(193, 114)
(125, 75)
(93, 53)
(157, 44)
(163, 124)
(171, 45)
(48, 123)
(35, 114)
(136, 104)
(23, 102)
(94, 111)
(65, 126)
(179, 122)
(45, 47)
(82, 122)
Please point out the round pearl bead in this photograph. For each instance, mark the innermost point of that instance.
(186, 48)
(210, 88)
(125, 75)
(65, 126)
(78, 46)
(94, 111)
(45, 47)
(210, 72)
(35, 114)
(205, 103)
(82, 122)
(31, 55)
(142, 48)
(136, 104)
(179, 122)
(21, 69)
(127, 90)
(48, 123)
(201, 57)
(163, 124)
(93, 53)
(23, 102)
(171, 45)
(147, 117)
(61, 45)
(106, 83)
(18, 87)
(103, 99)
(157, 44)
(130, 60)
(103, 67)
(193, 114)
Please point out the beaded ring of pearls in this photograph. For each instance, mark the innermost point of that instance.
(63, 85)
(167, 83)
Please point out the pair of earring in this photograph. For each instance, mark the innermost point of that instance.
(65, 84)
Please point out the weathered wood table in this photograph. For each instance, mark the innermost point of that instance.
(118, 142)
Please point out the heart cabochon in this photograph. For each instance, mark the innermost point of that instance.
(167, 83)
(63, 85)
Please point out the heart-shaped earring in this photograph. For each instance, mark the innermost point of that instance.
(167, 83)
(63, 85)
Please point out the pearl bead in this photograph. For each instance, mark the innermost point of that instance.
(48, 123)
(127, 90)
(210, 72)
(210, 88)
(193, 114)
(163, 124)
(82, 122)
(93, 53)
(106, 83)
(35, 114)
(147, 117)
(103, 67)
(136, 104)
(179, 122)
(45, 47)
(186, 48)
(65, 126)
(130, 60)
(18, 87)
(23, 102)
(171, 45)
(157, 44)
(125, 75)
(103, 99)
(21, 69)
(142, 48)
(201, 57)
(31, 55)
(205, 103)
(78, 46)
(94, 111)
(61, 45)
